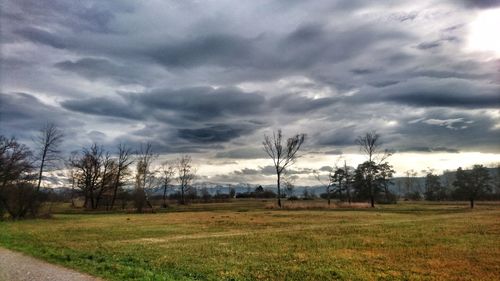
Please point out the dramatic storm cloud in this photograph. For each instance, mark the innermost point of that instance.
(211, 78)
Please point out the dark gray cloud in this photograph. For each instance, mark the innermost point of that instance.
(452, 92)
(482, 4)
(37, 35)
(23, 111)
(242, 153)
(436, 98)
(344, 136)
(22, 115)
(196, 77)
(192, 103)
(428, 45)
(103, 107)
(91, 16)
(214, 49)
(448, 132)
(94, 69)
(381, 84)
(202, 103)
(429, 149)
(216, 133)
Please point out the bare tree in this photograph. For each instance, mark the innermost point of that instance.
(144, 177)
(93, 171)
(167, 174)
(185, 174)
(123, 162)
(17, 193)
(370, 145)
(283, 155)
(15, 161)
(71, 174)
(47, 143)
(106, 178)
(409, 182)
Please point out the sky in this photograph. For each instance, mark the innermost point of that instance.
(211, 78)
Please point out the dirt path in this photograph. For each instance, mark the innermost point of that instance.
(18, 267)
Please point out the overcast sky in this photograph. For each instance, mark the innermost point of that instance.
(210, 78)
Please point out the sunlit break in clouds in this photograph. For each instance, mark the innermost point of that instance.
(210, 78)
(484, 32)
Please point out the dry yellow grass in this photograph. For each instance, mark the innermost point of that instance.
(392, 242)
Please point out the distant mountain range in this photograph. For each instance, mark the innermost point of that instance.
(398, 187)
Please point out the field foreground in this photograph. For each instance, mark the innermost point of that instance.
(401, 242)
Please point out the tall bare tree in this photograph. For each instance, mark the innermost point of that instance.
(167, 174)
(185, 174)
(71, 174)
(370, 145)
(144, 177)
(94, 171)
(283, 155)
(47, 142)
(122, 165)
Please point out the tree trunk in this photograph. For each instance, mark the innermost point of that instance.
(115, 191)
(372, 199)
(41, 170)
(182, 196)
(472, 203)
(91, 201)
(165, 196)
(328, 191)
(279, 191)
(73, 192)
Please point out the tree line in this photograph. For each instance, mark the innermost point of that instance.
(97, 175)
(100, 176)
(373, 180)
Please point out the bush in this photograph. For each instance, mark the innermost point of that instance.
(20, 200)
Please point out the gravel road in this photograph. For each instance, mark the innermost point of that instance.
(18, 267)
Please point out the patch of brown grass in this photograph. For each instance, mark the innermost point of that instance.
(316, 205)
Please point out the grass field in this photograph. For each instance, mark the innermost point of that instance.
(245, 241)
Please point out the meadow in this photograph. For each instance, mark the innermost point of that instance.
(246, 240)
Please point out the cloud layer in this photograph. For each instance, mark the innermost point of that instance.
(213, 77)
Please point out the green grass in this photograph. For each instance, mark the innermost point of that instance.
(245, 241)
